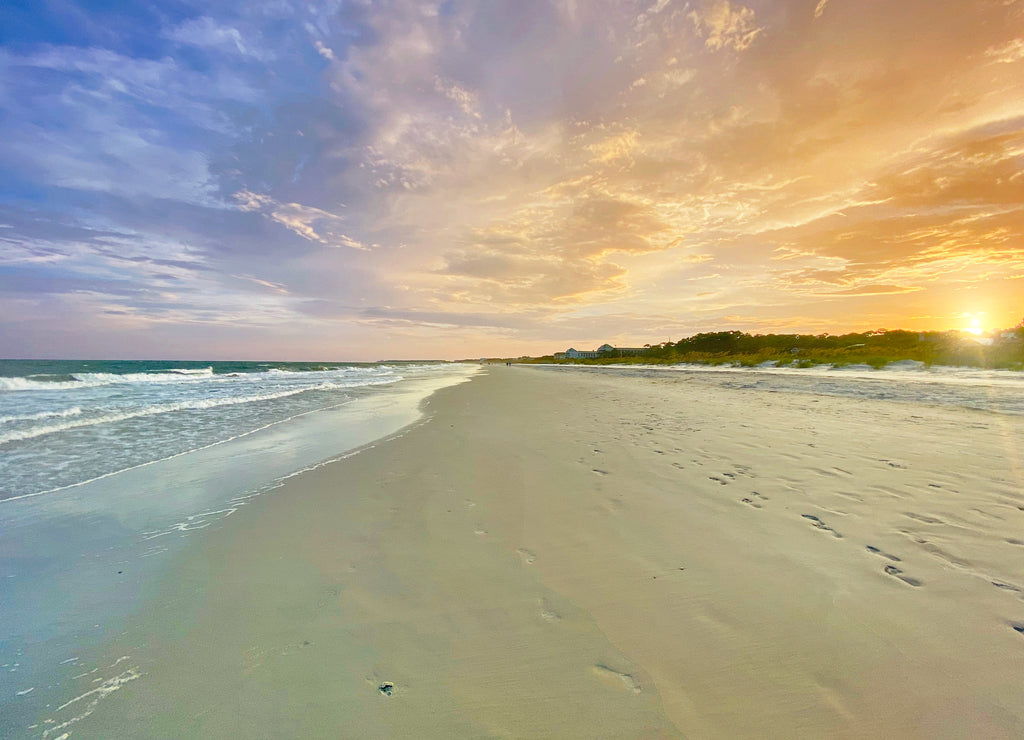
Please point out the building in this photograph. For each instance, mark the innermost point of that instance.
(605, 350)
(627, 351)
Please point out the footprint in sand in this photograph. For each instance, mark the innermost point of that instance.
(1002, 585)
(1018, 627)
(876, 551)
(922, 518)
(754, 500)
(821, 525)
(527, 557)
(547, 613)
(616, 678)
(898, 573)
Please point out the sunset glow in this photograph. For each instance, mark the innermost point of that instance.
(356, 180)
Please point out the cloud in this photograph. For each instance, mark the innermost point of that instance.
(312, 224)
(869, 290)
(463, 98)
(1010, 52)
(128, 126)
(615, 147)
(272, 286)
(581, 166)
(206, 33)
(525, 280)
(724, 25)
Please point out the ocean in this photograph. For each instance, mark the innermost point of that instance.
(66, 422)
(107, 467)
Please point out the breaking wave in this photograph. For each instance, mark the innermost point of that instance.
(164, 408)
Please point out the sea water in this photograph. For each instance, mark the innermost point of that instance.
(107, 468)
(62, 423)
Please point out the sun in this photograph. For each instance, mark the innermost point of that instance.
(975, 328)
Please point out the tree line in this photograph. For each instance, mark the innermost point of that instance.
(875, 348)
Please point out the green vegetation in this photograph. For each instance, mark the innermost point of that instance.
(875, 348)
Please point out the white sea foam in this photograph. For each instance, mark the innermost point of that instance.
(169, 376)
(94, 380)
(177, 375)
(27, 384)
(63, 413)
(50, 441)
(94, 696)
(190, 405)
(163, 459)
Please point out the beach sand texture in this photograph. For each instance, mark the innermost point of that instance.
(558, 553)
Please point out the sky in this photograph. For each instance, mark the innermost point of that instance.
(355, 180)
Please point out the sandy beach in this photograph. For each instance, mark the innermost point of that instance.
(578, 554)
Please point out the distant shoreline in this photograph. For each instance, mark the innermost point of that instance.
(1001, 350)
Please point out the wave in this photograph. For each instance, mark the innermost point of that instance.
(27, 384)
(93, 380)
(163, 408)
(190, 405)
(173, 376)
(181, 454)
(344, 370)
(77, 381)
(73, 411)
(191, 370)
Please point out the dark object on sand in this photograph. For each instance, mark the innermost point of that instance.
(386, 688)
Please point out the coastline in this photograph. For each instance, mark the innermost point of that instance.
(555, 553)
(79, 561)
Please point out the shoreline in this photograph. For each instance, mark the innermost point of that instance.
(558, 554)
(81, 560)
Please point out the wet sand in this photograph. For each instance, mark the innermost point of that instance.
(571, 554)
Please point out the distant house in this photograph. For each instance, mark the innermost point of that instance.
(628, 351)
(605, 350)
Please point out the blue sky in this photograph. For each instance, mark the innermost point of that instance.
(357, 180)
